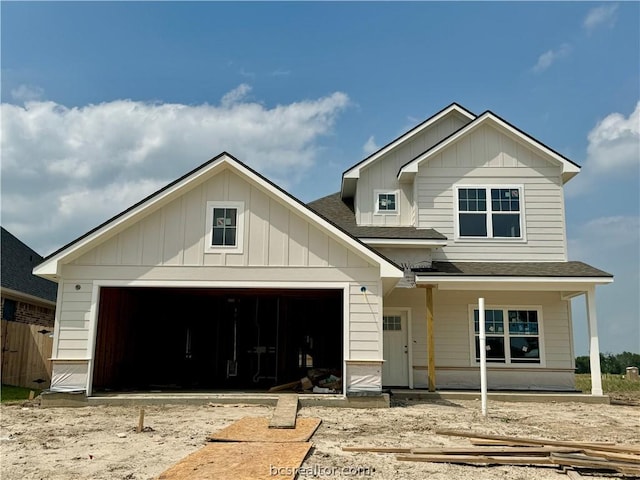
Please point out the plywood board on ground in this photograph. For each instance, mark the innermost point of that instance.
(241, 461)
(256, 429)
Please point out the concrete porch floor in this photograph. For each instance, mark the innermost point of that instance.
(500, 396)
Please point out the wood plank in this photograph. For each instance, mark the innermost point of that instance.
(377, 449)
(486, 459)
(431, 356)
(624, 457)
(285, 386)
(241, 461)
(286, 412)
(573, 475)
(256, 429)
(502, 451)
(502, 443)
(593, 462)
(536, 441)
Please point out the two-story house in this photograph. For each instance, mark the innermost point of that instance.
(222, 280)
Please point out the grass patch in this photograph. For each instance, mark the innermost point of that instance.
(611, 383)
(15, 394)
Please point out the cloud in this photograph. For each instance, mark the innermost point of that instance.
(614, 143)
(549, 57)
(280, 73)
(65, 170)
(604, 15)
(26, 93)
(370, 146)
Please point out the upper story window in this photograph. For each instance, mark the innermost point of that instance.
(386, 201)
(512, 335)
(225, 226)
(489, 212)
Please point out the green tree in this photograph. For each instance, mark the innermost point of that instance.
(582, 364)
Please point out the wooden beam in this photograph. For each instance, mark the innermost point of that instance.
(431, 358)
(497, 460)
(377, 449)
(630, 449)
(493, 451)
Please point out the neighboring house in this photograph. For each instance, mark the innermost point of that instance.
(27, 310)
(223, 280)
(25, 297)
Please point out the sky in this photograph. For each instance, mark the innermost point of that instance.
(103, 103)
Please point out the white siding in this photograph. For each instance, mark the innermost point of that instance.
(453, 340)
(168, 248)
(176, 234)
(382, 174)
(488, 157)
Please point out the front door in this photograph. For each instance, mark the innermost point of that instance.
(395, 369)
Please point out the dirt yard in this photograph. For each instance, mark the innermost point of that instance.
(101, 443)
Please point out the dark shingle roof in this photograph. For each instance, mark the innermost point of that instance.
(333, 208)
(514, 269)
(18, 261)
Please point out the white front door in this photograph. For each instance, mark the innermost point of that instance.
(395, 369)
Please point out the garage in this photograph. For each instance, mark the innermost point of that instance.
(215, 339)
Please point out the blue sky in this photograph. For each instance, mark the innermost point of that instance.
(103, 103)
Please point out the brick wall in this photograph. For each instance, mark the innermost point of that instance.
(30, 313)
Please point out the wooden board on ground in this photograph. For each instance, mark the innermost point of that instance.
(632, 449)
(286, 412)
(497, 460)
(241, 461)
(256, 429)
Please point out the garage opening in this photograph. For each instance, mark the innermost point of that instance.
(215, 339)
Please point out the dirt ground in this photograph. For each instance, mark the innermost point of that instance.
(100, 442)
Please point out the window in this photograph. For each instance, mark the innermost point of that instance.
(392, 322)
(513, 335)
(386, 202)
(224, 226)
(489, 212)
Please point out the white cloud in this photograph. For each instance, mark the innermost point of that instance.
(370, 146)
(26, 93)
(614, 143)
(549, 57)
(65, 170)
(603, 15)
(616, 232)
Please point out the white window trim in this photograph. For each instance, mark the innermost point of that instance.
(507, 351)
(395, 212)
(456, 213)
(239, 246)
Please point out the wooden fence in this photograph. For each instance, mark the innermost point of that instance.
(26, 350)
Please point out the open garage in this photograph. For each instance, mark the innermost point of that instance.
(215, 339)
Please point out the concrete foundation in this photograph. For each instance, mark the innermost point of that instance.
(536, 397)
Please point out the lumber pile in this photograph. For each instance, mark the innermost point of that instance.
(504, 450)
(318, 380)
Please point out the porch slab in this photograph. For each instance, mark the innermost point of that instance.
(506, 396)
(203, 398)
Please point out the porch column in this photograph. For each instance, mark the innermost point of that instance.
(431, 362)
(594, 346)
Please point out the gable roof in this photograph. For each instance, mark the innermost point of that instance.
(340, 212)
(50, 267)
(353, 172)
(569, 168)
(18, 261)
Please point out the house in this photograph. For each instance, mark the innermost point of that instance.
(27, 310)
(223, 280)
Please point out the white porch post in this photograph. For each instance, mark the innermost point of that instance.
(594, 346)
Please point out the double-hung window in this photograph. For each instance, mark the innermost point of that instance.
(512, 335)
(489, 212)
(225, 226)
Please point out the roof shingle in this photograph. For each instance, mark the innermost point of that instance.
(514, 269)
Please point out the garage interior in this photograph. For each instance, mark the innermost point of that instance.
(215, 339)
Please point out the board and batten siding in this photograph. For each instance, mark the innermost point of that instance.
(489, 157)
(382, 174)
(168, 247)
(177, 233)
